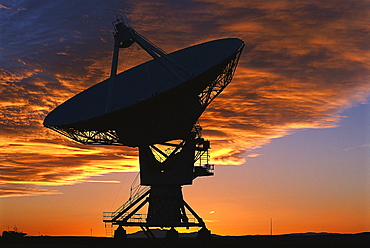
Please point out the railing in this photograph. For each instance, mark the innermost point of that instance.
(133, 198)
(138, 218)
(142, 218)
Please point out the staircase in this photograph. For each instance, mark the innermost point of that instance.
(124, 211)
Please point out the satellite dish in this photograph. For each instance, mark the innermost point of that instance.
(157, 102)
(149, 100)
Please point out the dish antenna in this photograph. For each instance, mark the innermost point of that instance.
(154, 106)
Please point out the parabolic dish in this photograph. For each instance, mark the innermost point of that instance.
(149, 104)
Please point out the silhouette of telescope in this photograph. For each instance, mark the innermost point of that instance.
(155, 103)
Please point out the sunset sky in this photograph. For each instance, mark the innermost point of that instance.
(290, 135)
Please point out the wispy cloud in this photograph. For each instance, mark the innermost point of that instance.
(303, 63)
(357, 147)
(4, 7)
(24, 190)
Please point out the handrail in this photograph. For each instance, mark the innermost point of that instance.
(132, 199)
(112, 215)
(141, 218)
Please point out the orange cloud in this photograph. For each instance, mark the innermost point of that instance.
(303, 63)
(13, 191)
(50, 163)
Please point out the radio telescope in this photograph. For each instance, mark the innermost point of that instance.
(155, 107)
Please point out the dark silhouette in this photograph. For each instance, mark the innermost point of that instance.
(153, 105)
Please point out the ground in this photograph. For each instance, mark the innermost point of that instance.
(283, 241)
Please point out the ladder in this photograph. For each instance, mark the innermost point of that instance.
(108, 229)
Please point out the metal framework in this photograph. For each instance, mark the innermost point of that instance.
(89, 137)
(165, 204)
(215, 87)
(127, 214)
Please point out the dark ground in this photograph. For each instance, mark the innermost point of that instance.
(361, 240)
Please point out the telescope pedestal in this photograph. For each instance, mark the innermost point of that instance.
(164, 171)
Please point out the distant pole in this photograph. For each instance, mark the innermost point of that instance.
(271, 226)
(91, 232)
